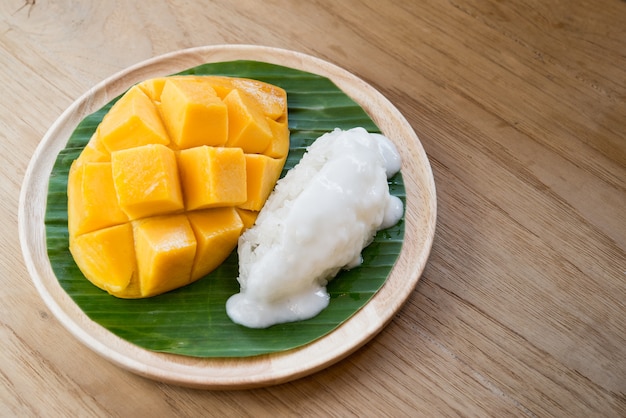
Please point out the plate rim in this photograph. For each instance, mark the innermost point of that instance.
(245, 372)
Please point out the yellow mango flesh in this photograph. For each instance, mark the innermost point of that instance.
(93, 202)
(279, 146)
(213, 177)
(154, 87)
(146, 180)
(106, 257)
(131, 122)
(217, 231)
(94, 151)
(272, 100)
(166, 248)
(193, 113)
(247, 127)
(175, 172)
(248, 217)
(262, 174)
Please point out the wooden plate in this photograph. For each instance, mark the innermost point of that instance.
(234, 373)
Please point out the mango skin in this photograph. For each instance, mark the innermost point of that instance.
(151, 206)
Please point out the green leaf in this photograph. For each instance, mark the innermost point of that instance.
(192, 320)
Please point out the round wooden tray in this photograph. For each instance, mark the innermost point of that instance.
(234, 373)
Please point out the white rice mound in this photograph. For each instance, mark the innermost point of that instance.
(316, 222)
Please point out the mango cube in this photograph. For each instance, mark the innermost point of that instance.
(166, 248)
(213, 177)
(106, 257)
(247, 127)
(272, 100)
(193, 113)
(146, 181)
(221, 85)
(133, 121)
(153, 88)
(217, 231)
(262, 173)
(94, 151)
(248, 217)
(92, 196)
(279, 146)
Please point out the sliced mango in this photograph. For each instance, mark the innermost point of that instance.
(222, 85)
(272, 99)
(131, 122)
(177, 169)
(279, 145)
(166, 248)
(217, 231)
(106, 257)
(94, 151)
(93, 197)
(146, 180)
(193, 113)
(153, 87)
(248, 217)
(213, 177)
(247, 127)
(262, 174)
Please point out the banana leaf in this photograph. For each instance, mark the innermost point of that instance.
(192, 320)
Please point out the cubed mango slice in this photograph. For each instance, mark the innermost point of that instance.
(193, 113)
(106, 257)
(146, 180)
(262, 174)
(272, 99)
(92, 202)
(166, 248)
(221, 85)
(217, 231)
(173, 174)
(131, 122)
(94, 151)
(279, 145)
(248, 217)
(247, 127)
(153, 87)
(213, 177)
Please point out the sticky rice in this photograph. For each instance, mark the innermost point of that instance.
(316, 222)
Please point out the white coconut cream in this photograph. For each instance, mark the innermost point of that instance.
(316, 222)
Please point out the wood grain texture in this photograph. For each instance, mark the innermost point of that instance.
(520, 106)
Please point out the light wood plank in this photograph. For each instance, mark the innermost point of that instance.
(520, 107)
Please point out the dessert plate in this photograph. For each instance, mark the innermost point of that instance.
(251, 371)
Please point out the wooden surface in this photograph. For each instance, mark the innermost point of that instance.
(520, 107)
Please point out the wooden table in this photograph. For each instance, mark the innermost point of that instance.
(521, 108)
